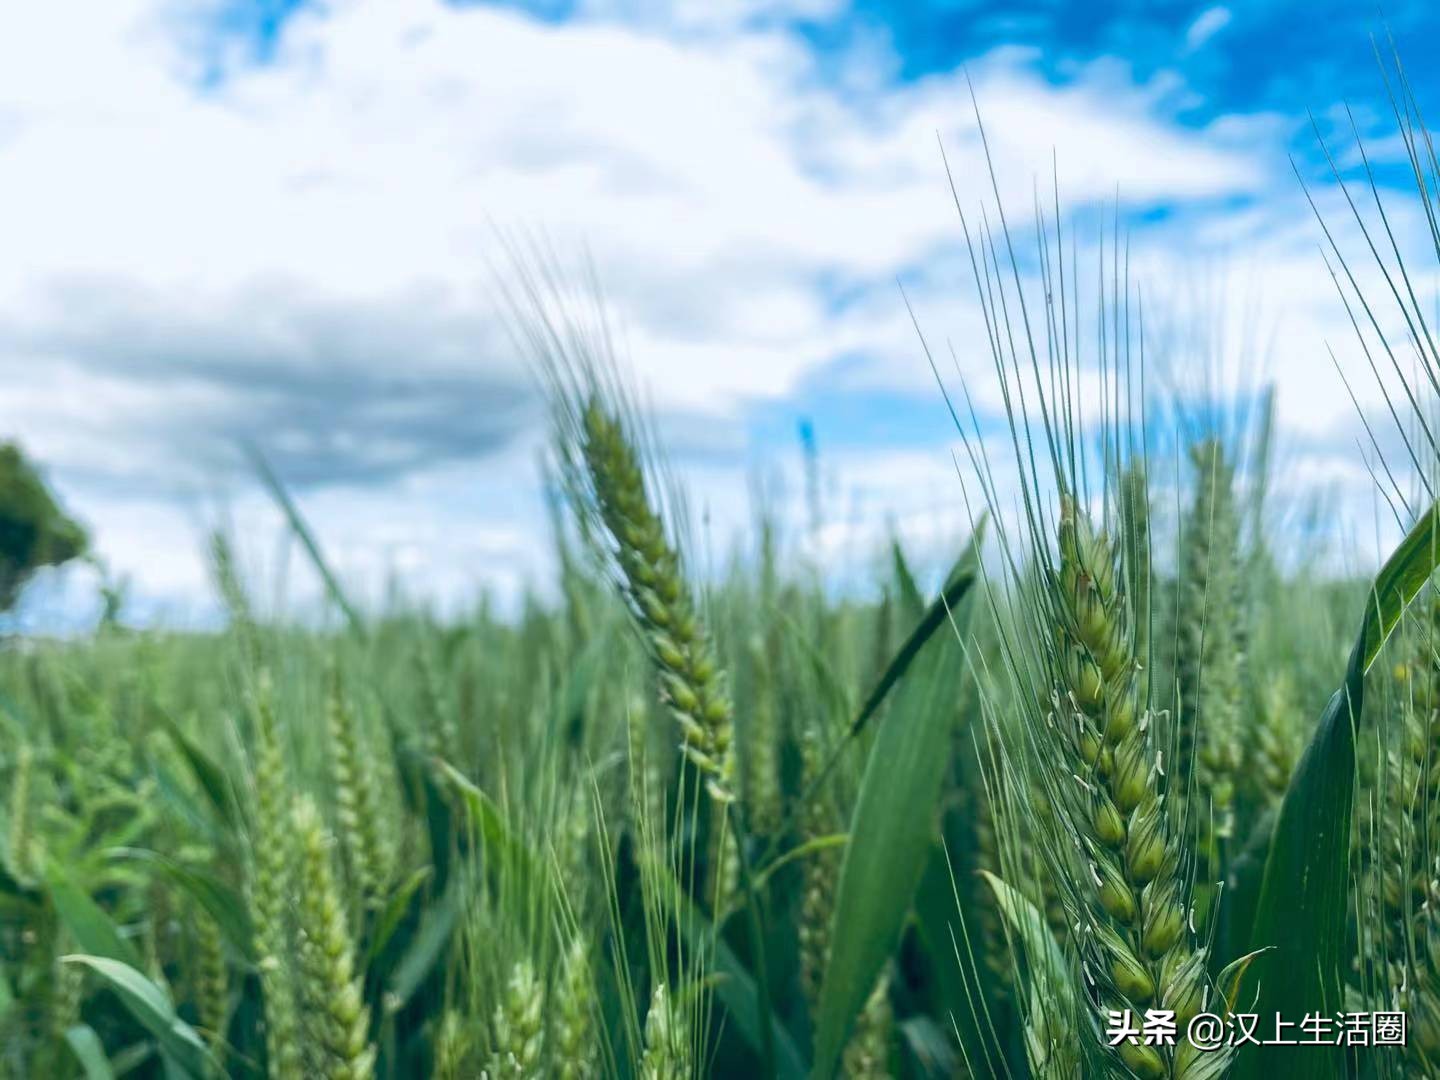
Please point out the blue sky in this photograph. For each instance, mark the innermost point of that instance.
(289, 222)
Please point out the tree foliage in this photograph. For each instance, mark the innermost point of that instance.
(34, 531)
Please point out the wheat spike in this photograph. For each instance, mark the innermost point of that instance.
(454, 1042)
(667, 1040)
(690, 681)
(574, 1051)
(270, 891)
(1135, 894)
(212, 977)
(1407, 834)
(21, 840)
(760, 743)
(1211, 666)
(517, 1030)
(335, 1011)
(358, 813)
(822, 872)
(867, 1055)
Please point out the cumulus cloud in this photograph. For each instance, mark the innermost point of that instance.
(203, 246)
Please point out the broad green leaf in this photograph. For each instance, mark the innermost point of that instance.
(1304, 899)
(178, 800)
(504, 851)
(1028, 927)
(394, 911)
(151, 1007)
(912, 601)
(93, 930)
(932, 1045)
(891, 830)
(221, 902)
(1402, 576)
(957, 586)
(829, 686)
(123, 1062)
(90, 1052)
(213, 780)
(430, 943)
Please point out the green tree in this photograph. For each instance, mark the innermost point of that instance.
(34, 531)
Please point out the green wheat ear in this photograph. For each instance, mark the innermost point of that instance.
(517, 1030)
(454, 1042)
(1100, 762)
(995, 950)
(667, 1040)
(212, 977)
(649, 826)
(761, 743)
(1211, 661)
(574, 847)
(575, 1048)
(1406, 836)
(722, 861)
(821, 872)
(690, 681)
(1277, 740)
(1138, 894)
(22, 858)
(358, 812)
(867, 1055)
(441, 738)
(271, 858)
(336, 1016)
(67, 993)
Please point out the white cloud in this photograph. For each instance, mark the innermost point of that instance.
(1206, 25)
(180, 258)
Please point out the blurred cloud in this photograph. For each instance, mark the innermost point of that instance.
(333, 392)
(1206, 25)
